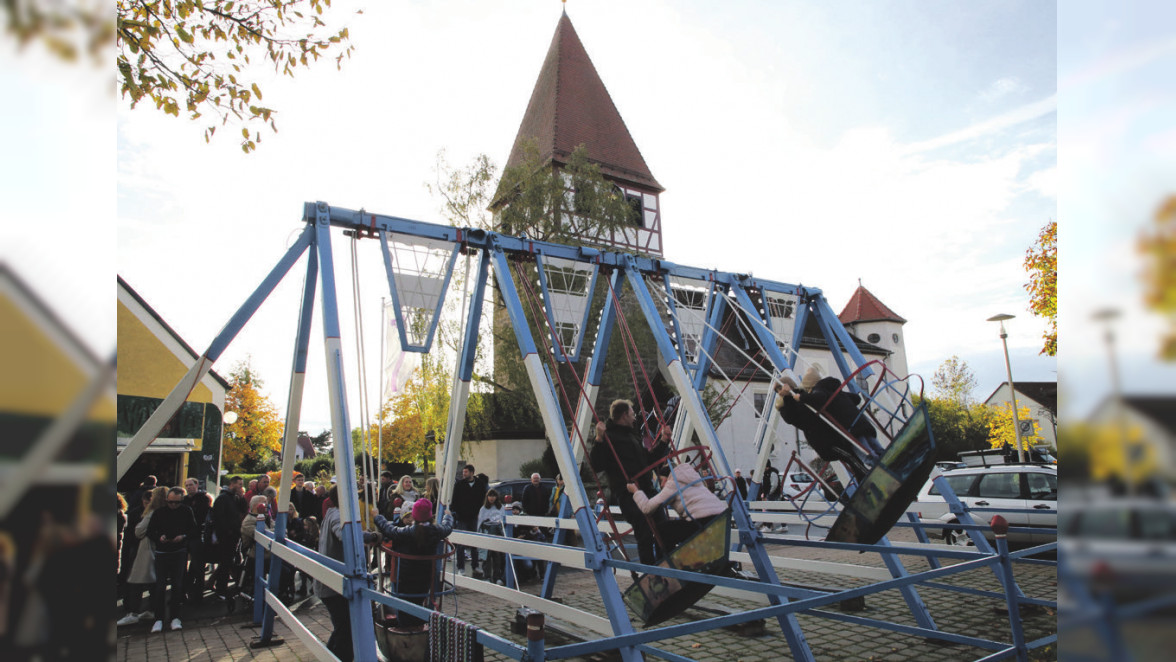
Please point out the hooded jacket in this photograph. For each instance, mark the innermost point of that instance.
(686, 492)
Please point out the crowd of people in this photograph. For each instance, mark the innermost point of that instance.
(171, 536)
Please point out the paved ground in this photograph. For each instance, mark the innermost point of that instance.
(211, 634)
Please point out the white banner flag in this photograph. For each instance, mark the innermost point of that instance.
(398, 364)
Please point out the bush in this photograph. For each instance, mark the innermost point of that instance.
(532, 466)
(312, 467)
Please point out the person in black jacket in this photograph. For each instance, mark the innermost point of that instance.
(623, 464)
(170, 530)
(829, 443)
(416, 581)
(468, 495)
(201, 504)
(534, 498)
(227, 512)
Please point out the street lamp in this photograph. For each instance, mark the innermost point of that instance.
(1106, 315)
(1004, 335)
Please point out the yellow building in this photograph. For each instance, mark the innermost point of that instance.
(152, 358)
(47, 376)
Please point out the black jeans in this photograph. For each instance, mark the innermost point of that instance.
(340, 640)
(641, 531)
(227, 562)
(462, 550)
(169, 568)
(194, 578)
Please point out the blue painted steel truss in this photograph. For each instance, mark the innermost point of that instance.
(495, 252)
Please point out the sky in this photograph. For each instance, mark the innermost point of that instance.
(914, 146)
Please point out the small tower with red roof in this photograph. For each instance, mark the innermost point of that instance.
(866, 317)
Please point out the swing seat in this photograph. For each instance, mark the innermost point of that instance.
(400, 645)
(656, 599)
(891, 485)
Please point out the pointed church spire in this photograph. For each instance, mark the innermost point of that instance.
(863, 306)
(570, 106)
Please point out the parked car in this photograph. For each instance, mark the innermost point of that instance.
(1019, 487)
(516, 486)
(795, 484)
(992, 456)
(1133, 539)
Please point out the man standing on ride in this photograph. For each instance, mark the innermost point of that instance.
(623, 464)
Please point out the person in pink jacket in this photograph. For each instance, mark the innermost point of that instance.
(686, 492)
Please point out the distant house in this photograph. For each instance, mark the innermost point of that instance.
(1041, 398)
(1154, 415)
(305, 448)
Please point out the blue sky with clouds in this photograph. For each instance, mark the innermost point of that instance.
(913, 145)
(909, 145)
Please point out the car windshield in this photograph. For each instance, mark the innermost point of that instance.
(801, 478)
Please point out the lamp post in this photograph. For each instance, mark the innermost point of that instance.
(1004, 335)
(1106, 315)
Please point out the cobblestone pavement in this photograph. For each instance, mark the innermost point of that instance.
(210, 634)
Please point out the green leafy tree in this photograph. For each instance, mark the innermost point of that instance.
(954, 381)
(1041, 261)
(256, 436)
(957, 427)
(197, 56)
(569, 204)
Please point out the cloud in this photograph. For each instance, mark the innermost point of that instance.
(996, 124)
(1003, 87)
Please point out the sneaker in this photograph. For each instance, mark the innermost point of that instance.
(158, 627)
(500, 582)
(146, 615)
(129, 619)
(175, 624)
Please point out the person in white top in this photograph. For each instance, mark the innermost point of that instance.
(688, 495)
(491, 519)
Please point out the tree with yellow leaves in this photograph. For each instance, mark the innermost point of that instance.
(257, 433)
(1159, 252)
(1001, 433)
(1041, 261)
(198, 56)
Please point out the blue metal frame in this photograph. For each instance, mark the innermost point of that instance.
(301, 350)
(560, 354)
(362, 629)
(596, 552)
(748, 535)
(400, 329)
(786, 602)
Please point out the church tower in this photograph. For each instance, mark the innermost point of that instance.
(871, 320)
(570, 107)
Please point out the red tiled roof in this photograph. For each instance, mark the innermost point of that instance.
(865, 307)
(570, 107)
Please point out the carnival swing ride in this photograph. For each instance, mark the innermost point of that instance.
(685, 310)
